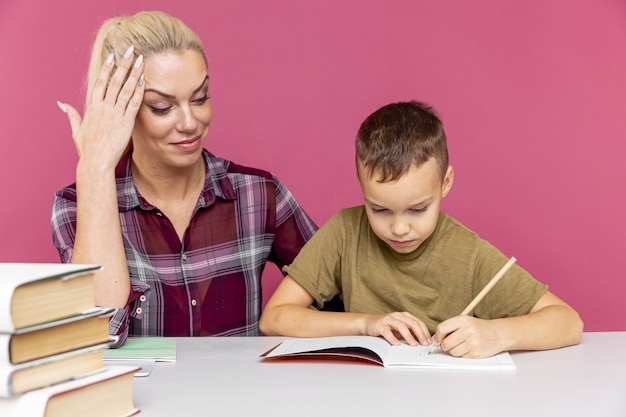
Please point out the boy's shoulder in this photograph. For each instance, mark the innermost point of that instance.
(353, 215)
(452, 222)
(348, 220)
(355, 211)
(450, 228)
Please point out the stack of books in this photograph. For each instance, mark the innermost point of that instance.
(52, 338)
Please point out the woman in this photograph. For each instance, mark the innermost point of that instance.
(182, 234)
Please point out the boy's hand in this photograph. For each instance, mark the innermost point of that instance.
(468, 337)
(396, 326)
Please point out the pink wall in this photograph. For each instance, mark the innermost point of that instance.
(532, 95)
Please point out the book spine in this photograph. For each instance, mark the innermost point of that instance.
(6, 320)
(6, 381)
(5, 351)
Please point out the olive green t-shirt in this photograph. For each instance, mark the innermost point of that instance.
(435, 282)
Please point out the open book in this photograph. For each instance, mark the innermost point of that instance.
(378, 350)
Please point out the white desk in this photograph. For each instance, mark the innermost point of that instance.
(225, 377)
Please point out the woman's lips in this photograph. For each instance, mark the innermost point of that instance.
(188, 145)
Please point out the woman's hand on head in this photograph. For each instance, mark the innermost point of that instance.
(398, 326)
(104, 132)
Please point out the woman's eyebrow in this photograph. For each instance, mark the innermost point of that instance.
(170, 96)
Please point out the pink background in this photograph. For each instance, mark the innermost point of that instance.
(532, 95)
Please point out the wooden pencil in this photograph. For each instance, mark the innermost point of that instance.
(484, 291)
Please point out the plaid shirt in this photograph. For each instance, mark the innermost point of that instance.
(210, 283)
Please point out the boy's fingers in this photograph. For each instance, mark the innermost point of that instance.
(442, 331)
(390, 337)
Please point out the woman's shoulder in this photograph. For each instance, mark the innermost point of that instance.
(219, 165)
(67, 193)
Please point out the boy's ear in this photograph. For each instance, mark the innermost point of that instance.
(448, 180)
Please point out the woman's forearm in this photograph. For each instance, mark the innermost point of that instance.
(99, 235)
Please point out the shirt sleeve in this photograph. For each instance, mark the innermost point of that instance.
(293, 227)
(119, 323)
(63, 222)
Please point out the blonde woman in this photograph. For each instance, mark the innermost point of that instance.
(183, 235)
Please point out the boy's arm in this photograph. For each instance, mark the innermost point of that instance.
(288, 313)
(550, 324)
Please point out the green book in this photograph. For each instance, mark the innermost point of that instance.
(142, 352)
(159, 349)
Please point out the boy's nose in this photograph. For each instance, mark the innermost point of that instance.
(399, 227)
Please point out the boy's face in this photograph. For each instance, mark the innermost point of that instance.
(404, 213)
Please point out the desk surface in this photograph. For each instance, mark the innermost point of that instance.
(225, 377)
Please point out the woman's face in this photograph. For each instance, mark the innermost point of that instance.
(174, 118)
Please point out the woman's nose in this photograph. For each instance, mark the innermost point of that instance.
(187, 121)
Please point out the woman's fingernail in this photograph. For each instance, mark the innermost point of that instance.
(140, 84)
(139, 61)
(129, 52)
(109, 60)
(62, 106)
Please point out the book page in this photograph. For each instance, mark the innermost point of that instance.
(302, 345)
(405, 355)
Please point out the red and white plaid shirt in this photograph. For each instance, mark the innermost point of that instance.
(209, 284)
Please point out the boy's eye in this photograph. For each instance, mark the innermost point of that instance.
(418, 209)
(378, 210)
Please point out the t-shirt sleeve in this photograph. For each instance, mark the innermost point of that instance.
(318, 265)
(516, 292)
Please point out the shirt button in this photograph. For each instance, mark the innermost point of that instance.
(193, 303)
(159, 214)
(138, 311)
(184, 256)
(142, 298)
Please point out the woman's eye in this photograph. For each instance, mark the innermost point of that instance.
(159, 110)
(202, 99)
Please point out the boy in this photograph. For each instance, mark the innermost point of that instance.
(403, 268)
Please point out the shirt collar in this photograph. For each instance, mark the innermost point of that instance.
(216, 184)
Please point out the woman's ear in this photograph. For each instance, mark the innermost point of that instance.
(448, 180)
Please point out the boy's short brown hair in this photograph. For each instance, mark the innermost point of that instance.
(398, 135)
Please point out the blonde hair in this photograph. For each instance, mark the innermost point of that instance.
(149, 32)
